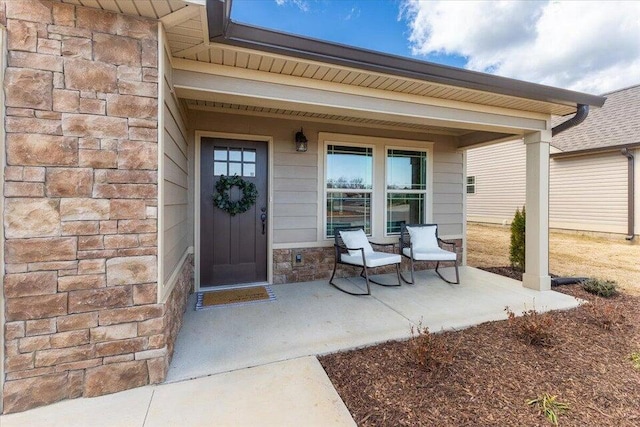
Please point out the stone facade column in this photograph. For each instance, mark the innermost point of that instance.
(82, 316)
(536, 275)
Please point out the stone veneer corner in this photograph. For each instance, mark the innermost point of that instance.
(80, 192)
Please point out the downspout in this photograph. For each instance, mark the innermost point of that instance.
(630, 194)
(581, 114)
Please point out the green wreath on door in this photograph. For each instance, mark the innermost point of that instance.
(221, 197)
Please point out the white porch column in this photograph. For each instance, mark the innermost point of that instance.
(536, 275)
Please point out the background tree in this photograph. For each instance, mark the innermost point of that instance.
(517, 247)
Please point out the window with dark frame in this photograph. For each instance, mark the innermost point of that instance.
(471, 185)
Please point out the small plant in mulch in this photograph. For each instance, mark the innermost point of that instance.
(635, 359)
(602, 288)
(549, 406)
(430, 351)
(532, 327)
(606, 315)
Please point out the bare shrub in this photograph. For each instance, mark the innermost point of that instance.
(606, 315)
(431, 351)
(532, 327)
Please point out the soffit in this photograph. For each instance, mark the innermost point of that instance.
(237, 57)
(154, 9)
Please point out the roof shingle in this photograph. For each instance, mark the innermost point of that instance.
(616, 123)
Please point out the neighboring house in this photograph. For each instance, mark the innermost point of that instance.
(594, 173)
(120, 117)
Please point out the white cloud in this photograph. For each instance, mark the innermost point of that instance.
(354, 13)
(302, 4)
(586, 46)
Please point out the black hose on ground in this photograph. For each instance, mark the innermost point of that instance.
(559, 281)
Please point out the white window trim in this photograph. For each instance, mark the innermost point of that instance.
(378, 198)
(428, 191)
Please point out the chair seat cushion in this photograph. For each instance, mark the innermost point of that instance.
(374, 259)
(435, 254)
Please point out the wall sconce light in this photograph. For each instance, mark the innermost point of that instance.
(301, 141)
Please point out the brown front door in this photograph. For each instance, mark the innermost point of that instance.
(233, 249)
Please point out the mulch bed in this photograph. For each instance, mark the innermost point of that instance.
(495, 372)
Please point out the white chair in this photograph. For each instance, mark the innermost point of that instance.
(420, 242)
(354, 249)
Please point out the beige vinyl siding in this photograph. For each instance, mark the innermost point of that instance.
(175, 224)
(589, 193)
(500, 172)
(295, 175)
(295, 187)
(585, 192)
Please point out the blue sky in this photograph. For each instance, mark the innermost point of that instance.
(589, 46)
(369, 24)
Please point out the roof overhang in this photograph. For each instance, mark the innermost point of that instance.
(193, 81)
(341, 84)
(223, 30)
(597, 150)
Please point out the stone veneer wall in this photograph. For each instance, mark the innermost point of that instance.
(82, 316)
(175, 307)
(318, 264)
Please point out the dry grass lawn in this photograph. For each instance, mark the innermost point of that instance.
(571, 254)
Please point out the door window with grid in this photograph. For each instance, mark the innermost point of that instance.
(234, 161)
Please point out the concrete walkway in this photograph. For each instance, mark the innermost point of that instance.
(255, 364)
(291, 393)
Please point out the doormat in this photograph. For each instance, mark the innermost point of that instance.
(234, 297)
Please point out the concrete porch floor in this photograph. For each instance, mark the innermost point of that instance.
(314, 318)
(277, 342)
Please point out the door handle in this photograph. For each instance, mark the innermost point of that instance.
(263, 218)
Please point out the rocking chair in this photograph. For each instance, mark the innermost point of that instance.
(354, 249)
(420, 242)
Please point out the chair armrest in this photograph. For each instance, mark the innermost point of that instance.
(383, 244)
(351, 249)
(364, 259)
(445, 242)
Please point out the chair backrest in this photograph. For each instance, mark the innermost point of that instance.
(356, 240)
(338, 238)
(405, 237)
